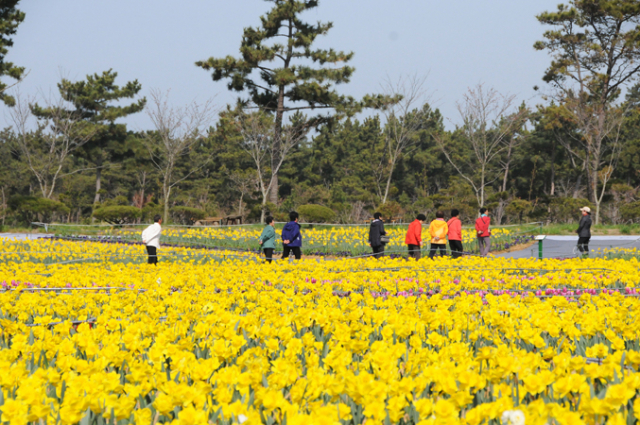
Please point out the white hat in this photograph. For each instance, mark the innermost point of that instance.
(586, 209)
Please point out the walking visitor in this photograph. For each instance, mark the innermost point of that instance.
(438, 230)
(484, 234)
(584, 231)
(413, 240)
(376, 233)
(268, 239)
(151, 238)
(455, 234)
(291, 238)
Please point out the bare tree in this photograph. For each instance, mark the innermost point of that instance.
(177, 131)
(488, 121)
(598, 142)
(46, 143)
(258, 140)
(246, 183)
(403, 120)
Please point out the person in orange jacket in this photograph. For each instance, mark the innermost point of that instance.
(414, 236)
(483, 232)
(455, 234)
(438, 230)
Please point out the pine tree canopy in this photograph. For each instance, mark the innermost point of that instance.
(271, 70)
(10, 18)
(594, 43)
(92, 98)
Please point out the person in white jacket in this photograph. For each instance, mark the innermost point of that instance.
(151, 238)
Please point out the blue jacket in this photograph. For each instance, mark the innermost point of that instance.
(291, 232)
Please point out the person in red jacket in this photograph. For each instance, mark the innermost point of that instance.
(455, 234)
(483, 232)
(414, 236)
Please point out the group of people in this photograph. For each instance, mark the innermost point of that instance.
(440, 230)
(291, 238)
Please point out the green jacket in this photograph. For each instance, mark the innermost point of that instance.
(268, 237)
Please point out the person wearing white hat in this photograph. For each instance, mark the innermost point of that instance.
(584, 231)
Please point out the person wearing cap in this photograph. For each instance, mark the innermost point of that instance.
(584, 231)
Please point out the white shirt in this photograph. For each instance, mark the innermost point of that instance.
(151, 235)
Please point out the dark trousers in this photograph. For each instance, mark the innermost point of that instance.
(456, 248)
(153, 255)
(414, 251)
(438, 247)
(297, 252)
(583, 245)
(268, 254)
(378, 251)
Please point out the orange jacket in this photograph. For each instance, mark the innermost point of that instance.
(414, 233)
(455, 229)
(438, 229)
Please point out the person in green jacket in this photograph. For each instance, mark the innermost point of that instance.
(268, 239)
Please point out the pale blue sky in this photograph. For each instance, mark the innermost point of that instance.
(459, 43)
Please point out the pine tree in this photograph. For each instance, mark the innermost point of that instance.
(10, 18)
(595, 53)
(278, 76)
(95, 101)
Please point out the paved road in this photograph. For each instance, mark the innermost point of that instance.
(21, 236)
(565, 246)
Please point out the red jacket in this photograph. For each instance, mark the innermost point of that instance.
(482, 226)
(455, 229)
(414, 234)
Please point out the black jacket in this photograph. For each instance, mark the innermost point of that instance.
(584, 229)
(375, 231)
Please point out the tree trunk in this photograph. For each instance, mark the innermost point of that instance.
(506, 168)
(4, 206)
(277, 147)
(386, 190)
(552, 190)
(166, 192)
(96, 198)
(264, 207)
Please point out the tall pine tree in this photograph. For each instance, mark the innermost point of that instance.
(10, 18)
(282, 72)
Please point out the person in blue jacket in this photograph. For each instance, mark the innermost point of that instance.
(291, 238)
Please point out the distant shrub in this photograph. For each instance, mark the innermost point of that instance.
(150, 210)
(567, 210)
(316, 214)
(390, 210)
(30, 208)
(517, 209)
(118, 214)
(631, 212)
(186, 215)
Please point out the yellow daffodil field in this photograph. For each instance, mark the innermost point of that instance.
(321, 240)
(90, 334)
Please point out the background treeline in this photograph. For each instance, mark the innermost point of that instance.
(72, 159)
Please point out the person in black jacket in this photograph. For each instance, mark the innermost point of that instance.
(375, 231)
(584, 231)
